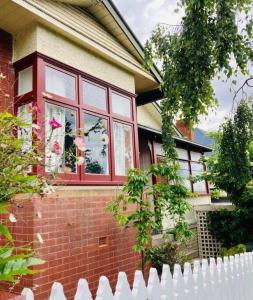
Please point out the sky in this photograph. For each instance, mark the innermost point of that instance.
(142, 16)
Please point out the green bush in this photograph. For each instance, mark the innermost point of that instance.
(168, 253)
(233, 250)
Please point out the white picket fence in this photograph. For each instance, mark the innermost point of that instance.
(227, 279)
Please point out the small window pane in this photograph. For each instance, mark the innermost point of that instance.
(25, 81)
(96, 142)
(159, 149)
(25, 132)
(94, 95)
(121, 105)
(60, 83)
(199, 187)
(197, 167)
(184, 170)
(182, 153)
(123, 148)
(195, 156)
(60, 147)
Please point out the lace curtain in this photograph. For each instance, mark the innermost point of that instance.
(54, 162)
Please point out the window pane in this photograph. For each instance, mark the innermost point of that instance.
(60, 147)
(25, 81)
(123, 148)
(121, 105)
(94, 95)
(96, 145)
(184, 169)
(25, 132)
(200, 187)
(197, 167)
(182, 153)
(159, 149)
(195, 156)
(60, 83)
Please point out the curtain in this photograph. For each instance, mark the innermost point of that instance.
(25, 132)
(54, 162)
(119, 149)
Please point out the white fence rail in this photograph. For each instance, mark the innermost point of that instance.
(227, 279)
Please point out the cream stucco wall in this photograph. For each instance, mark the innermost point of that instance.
(148, 116)
(40, 38)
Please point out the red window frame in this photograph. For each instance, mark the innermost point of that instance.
(39, 94)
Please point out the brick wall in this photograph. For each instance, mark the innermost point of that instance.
(80, 239)
(6, 86)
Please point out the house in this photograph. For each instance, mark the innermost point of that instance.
(81, 64)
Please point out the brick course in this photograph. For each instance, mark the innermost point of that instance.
(6, 68)
(72, 225)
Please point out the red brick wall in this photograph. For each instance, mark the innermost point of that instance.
(6, 68)
(71, 225)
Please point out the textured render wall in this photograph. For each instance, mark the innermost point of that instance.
(73, 223)
(6, 68)
(41, 39)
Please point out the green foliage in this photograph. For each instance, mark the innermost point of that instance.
(210, 36)
(229, 169)
(233, 250)
(215, 194)
(134, 207)
(15, 164)
(168, 253)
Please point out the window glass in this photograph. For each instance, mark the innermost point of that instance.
(182, 153)
(60, 83)
(94, 95)
(60, 147)
(123, 148)
(200, 187)
(96, 142)
(25, 132)
(197, 168)
(159, 149)
(121, 105)
(195, 156)
(25, 81)
(184, 169)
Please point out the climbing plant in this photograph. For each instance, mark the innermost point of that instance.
(211, 39)
(135, 206)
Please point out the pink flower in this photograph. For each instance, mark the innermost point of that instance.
(79, 142)
(54, 124)
(56, 148)
(33, 107)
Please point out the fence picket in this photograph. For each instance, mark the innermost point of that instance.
(139, 291)
(83, 291)
(57, 292)
(123, 291)
(27, 294)
(104, 291)
(230, 278)
(154, 287)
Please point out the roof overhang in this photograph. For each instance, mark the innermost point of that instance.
(178, 140)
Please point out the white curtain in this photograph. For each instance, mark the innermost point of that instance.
(25, 132)
(54, 162)
(119, 149)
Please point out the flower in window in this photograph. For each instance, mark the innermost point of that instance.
(56, 148)
(54, 123)
(33, 107)
(80, 160)
(79, 142)
(105, 139)
(2, 76)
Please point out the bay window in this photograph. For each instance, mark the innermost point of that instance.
(89, 126)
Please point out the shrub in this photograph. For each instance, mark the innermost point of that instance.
(168, 253)
(233, 250)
